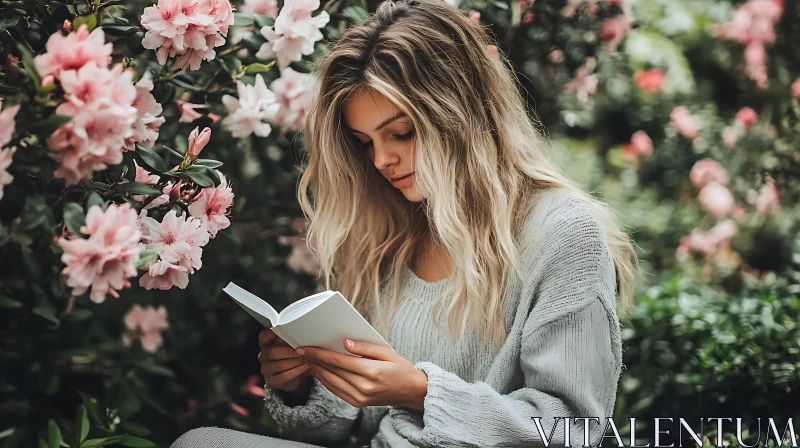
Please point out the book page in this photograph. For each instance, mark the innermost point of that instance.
(256, 307)
(329, 323)
(302, 306)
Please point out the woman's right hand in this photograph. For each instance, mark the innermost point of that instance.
(282, 367)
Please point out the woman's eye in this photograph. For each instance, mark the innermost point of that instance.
(365, 146)
(406, 136)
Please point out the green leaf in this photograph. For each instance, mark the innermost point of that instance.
(9, 303)
(74, 217)
(120, 30)
(200, 179)
(151, 159)
(90, 21)
(263, 20)
(356, 14)
(135, 188)
(53, 434)
(47, 311)
(104, 441)
(96, 185)
(202, 169)
(136, 442)
(95, 199)
(8, 22)
(145, 258)
(240, 19)
(208, 163)
(256, 67)
(186, 85)
(500, 5)
(36, 214)
(82, 424)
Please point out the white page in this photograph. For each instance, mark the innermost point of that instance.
(256, 307)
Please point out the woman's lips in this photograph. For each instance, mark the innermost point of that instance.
(403, 182)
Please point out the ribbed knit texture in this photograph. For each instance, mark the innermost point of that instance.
(562, 356)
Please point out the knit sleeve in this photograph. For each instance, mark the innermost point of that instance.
(569, 359)
(323, 418)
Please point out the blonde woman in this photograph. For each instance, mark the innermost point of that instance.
(436, 209)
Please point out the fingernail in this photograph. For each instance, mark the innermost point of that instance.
(349, 343)
(300, 351)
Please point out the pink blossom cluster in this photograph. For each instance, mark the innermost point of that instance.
(250, 113)
(294, 32)
(650, 81)
(108, 113)
(707, 243)
(294, 92)
(710, 177)
(685, 123)
(641, 145)
(614, 29)
(746, 118)
(301, 258)
(145, 324)
(107, 258)
(189, 29)
(767, 201)
(753, 25)
(7, 127)
(211, 205)
(585, 82)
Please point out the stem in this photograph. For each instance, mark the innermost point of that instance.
(230, 50)
(70, 304)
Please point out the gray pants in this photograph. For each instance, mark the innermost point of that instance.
(213, 437)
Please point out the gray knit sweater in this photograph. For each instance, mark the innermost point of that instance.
(561, 359)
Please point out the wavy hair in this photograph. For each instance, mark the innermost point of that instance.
(479, 158)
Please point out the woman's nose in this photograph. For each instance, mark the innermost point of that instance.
(384, 156)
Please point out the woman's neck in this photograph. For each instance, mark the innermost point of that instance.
(432, 262)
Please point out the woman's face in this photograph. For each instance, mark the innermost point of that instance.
(387, 135)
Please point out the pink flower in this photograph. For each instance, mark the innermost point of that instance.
(248, 114)
(73, 51)
(729, 137)
(67, 25)
(211, 206)
(640, 145)
(707, 170)
(100, 102)
(107, 258)
(198, 140)
(294, 92)
(189, 29)
(767, 202)
(475, 16)
(294, 32)
(145, 129)
(716, 199)
(614, 30)
(164, 275)
(188, 112)
(556, 56)
(796, 88)
(707, 243)
(239, 409)
(48, 80)
(747, 117)
(168, 238)
(7, 123)
(528, 18)
(6, 157)
(650, 81)
(252, 7)
(254, 386)
(686, 124)
(585, 82)
(146, 325)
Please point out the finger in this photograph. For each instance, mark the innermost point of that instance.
(357, 379)
(275, 367)
(333, 383)
(266, 336)
(370, 350)
(287, 375)
(280, 352)
(280, 341)
(336, 359)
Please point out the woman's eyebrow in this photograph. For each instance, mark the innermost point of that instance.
(383, 123)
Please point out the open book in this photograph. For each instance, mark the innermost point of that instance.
(323, 320)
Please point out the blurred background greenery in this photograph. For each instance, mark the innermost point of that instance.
(633, 93)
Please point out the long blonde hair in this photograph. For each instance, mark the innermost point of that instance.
(479, 158)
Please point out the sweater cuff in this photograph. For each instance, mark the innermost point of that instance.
(323, 412)
(419, 428)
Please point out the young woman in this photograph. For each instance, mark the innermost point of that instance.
(438, 212)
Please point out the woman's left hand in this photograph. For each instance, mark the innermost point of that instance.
(380, 378)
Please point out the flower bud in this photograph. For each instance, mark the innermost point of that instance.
(198, 141)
